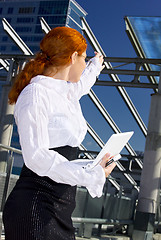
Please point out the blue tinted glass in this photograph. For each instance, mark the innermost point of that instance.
(53, 7)
(148, 32)
(32, 38)
(38, 29)
(3, 48)
(54, 19)
(25, 20)
(8, 20)
(75, 16)
(10, 10)
(4, 39)
(23, 29)
(26, 10)
(34, 48)
(74, 25)
(15, 49)
(77, 10)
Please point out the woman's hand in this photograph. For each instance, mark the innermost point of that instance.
(101, 60)
(109, 168)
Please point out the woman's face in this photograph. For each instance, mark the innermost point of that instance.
(77, 67)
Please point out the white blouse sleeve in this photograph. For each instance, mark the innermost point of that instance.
(88, 77)
(32, 124)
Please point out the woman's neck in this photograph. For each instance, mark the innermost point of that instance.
(57, 73)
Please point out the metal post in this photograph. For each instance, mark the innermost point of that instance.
(150, 178)
(6, 121)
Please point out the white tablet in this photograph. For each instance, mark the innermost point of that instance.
(114, 146)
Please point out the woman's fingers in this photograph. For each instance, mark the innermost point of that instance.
(109, 169)
(105, 159)
(99, 55)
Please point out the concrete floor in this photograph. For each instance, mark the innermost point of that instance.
(156, 236)
(107, 237)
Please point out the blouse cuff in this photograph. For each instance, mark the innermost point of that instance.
(95, 188)
(97, 65)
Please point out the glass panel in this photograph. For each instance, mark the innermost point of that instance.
(23, 29)
(10, 10)
(75, 16)
(25, 20)
(27, 10)
(4, 39)
(53, 7)
(78, 10)
(54, 19)
(72, 24)
(148, 33)
(75, 13)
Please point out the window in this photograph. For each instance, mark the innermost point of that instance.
(34, 48)
(38, 29)
(54, 19)
(8, 20)
(75, 16)
(27, 10)
(1, 10)
(10, 10)
(25, 20)
(31, 38)
(4, 39)
(3, 48)
(15, 49)
(23, 29)
(53, 7)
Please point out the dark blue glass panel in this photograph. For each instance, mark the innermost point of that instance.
(75, 12)
(10, 10)
(148, 32)
(53, 7)
(78, 10)
(56, 19)
(74, 25)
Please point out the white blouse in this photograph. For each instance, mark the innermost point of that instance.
(48, 115)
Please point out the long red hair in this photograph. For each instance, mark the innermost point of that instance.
(56, 49)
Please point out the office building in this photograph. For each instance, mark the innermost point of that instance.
(24, 17)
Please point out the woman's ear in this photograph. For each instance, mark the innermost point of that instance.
(74, 57)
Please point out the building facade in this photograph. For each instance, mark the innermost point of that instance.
(24, 17)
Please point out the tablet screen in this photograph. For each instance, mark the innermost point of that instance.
(114, 145)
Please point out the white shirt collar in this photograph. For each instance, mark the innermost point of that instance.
(61, 86)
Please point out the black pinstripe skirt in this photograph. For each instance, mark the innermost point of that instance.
(39, 208)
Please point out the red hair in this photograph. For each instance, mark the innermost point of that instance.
(56, 49)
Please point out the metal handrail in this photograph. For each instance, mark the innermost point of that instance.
(11, 148)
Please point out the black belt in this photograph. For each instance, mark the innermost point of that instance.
(68, 152)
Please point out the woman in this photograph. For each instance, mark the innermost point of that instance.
(51, 127)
